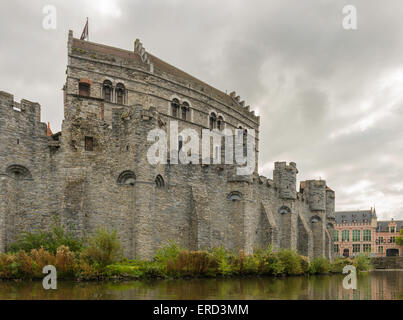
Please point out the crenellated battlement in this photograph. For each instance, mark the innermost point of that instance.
(24, 108)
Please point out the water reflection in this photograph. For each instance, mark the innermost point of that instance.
(377, 285)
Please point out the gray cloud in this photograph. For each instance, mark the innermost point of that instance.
(329, 99)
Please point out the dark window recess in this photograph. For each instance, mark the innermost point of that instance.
(89, 144)
(107, 88)
(213, 121)
(175, 108)
(120, 94)
(84, 89)
(159, 182)
(185, 111)
(18, 141)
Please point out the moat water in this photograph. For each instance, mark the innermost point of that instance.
(375, 285)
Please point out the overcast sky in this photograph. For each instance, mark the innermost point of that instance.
(330, 99)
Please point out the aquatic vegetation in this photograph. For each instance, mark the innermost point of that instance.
(102, 258)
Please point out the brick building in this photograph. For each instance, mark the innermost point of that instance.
(360, 231)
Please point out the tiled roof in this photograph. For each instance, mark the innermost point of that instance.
(383, 226)
(354, 216)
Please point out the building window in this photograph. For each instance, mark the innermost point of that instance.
(220, 123)
(159, 182)
(175, 108)
(185, 111)
(366, 235)
(392, 240)
(380, 240)
(380, 249)
(89, 144)
(127, 178)
(336, 248)
(107, 91)
(335, 235)
(235, 196)
(356, 248)
(367, 247)
(213, 121)
(345, 235)
(392, 229)
(84, 89)
(120, 94)
(356, 235)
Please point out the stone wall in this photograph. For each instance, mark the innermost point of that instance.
(387, 262)
(114, 185)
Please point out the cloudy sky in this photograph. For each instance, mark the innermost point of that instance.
(330, 99)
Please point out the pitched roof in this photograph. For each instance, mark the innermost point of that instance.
(383, 226)
(354, 216)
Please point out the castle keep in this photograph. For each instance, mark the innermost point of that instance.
(95, 172)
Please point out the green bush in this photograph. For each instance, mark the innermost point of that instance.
(339, 263)
(291, 262)
(104, 248)
(399, 239)
(49, 240)
(272, 264)
(319, 265)
(362, 262)
(224, 261)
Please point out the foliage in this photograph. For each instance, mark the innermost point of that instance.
(104, 248)
(102, 258)
(319, 265)
(399, 239)
(362, 262)
(49, 240)
(291, 262)
(339, 263)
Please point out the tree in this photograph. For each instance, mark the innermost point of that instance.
(399, 239)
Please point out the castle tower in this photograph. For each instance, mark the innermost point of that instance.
(285, 179)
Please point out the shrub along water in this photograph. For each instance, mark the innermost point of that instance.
(100, 257)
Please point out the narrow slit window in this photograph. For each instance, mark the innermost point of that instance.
(89, 144)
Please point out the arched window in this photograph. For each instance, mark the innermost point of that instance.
(284, 210)
(159, 182)
(127, 178)
(185, 111)
(316, 219)
(220, 123)
(175, 108)
(107, 90)
(120, 94)
(18, 172)
(213, 121)
(235, 196)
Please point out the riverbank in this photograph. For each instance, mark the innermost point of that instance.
(170, 262)
(100, 257)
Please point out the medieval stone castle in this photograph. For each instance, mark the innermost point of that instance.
(95, 173)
